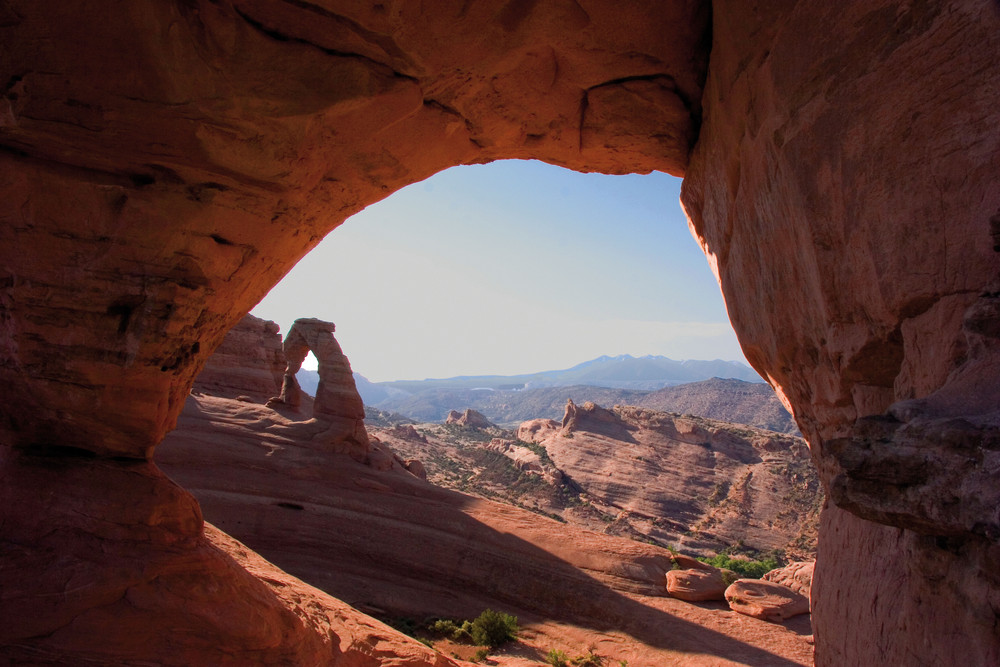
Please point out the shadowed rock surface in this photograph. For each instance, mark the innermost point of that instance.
(250, 362)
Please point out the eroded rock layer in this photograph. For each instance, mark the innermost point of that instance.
(249, 362)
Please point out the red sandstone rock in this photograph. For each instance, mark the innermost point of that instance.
(388, 541)
(537, 430)
(470, 418)
(162, 170)
(765, 600)
(249, 362)
(338, 411)
(407, 432)
(125, 574)
(715, 483)
(696, 585)
(843, 187)
(416, 468)
(797, 576)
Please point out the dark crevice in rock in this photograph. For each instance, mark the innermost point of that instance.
(383, 42)
(282, 37)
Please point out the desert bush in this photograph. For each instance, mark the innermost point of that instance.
(449, 628)
(556, 658)
(481, 655)
(493, 628)
(747, 569)
(589, 660)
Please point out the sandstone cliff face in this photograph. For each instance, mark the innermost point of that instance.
(691, 482)
(163, 164)
(249, 362)
(844, 189)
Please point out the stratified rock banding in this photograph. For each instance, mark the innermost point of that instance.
(163, 164)
(249, 362)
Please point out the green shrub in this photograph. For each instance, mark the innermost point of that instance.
(747, 569)
(556, 658)
(480, 655)
(589, 660)
(493, 628)
(449, 628)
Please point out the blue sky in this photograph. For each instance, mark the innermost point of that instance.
(511, 267)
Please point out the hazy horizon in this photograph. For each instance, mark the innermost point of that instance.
(511, 268)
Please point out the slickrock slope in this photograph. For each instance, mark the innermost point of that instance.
(249, 362)
(150, 580)
(695, 483)
(162, 164)
(393, 544)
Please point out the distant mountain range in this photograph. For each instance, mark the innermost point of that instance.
(724, 390)
(621, 372)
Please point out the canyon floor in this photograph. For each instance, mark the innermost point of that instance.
(399, 548)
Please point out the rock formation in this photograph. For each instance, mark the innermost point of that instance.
(700, 485)
(249, 362)
(844, 189)
(728, 400)
(797, 576)
(765, 600)
(353, 531)
(338, 411)
(163, 164)
(469, 418)
(696, 585)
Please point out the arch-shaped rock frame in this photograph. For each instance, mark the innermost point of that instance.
(163, 164)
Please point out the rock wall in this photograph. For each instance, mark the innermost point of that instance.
(249, 362)
(844, 188)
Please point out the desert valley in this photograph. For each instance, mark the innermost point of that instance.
(572, 526)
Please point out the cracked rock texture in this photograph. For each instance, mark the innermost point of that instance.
(163, 164)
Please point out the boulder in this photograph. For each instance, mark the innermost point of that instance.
(416, 468)
(797, 576)
(765, 600)
(697, 585)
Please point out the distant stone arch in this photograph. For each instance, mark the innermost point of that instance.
(337, 401)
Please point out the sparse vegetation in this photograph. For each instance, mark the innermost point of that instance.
(481, 655)
(451, 629)
(493, 628)
(747, 563)
(557, 658)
